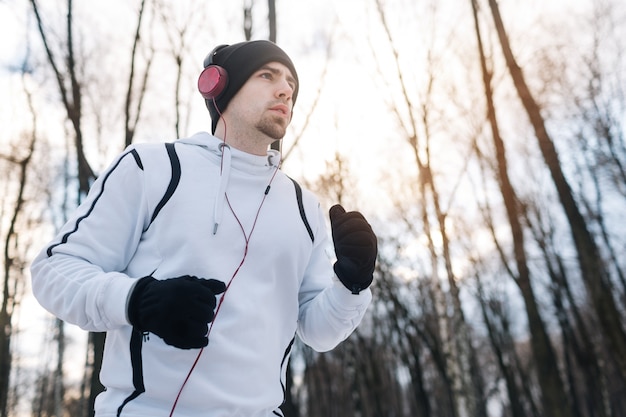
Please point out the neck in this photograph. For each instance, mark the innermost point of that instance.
(255, 143)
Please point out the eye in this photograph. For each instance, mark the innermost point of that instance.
(267, 75)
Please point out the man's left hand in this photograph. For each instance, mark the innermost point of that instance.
(355, 246)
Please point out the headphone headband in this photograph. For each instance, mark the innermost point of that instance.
(209, 58)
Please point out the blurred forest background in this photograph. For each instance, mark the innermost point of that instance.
(483, 139)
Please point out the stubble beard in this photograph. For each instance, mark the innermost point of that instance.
(272, 126)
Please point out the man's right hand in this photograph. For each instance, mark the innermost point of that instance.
(177, 309)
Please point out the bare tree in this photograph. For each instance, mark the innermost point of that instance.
(132, 112)
(454, 334)
(67, 76)
(423, 350)
(14, 261)
(14, 265)
(581, 356)
(555, 400)
(592, 267)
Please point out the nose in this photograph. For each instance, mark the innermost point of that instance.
(284, 89)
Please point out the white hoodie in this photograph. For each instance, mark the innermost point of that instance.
(285, 283)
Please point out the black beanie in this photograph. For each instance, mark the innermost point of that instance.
(240, 61)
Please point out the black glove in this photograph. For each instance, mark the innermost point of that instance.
(177, 309)
(355, 246)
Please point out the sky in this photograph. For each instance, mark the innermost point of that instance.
(352, 114)
(314, 18)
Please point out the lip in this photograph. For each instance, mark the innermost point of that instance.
(281, 108)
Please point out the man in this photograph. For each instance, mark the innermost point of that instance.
(202, 260)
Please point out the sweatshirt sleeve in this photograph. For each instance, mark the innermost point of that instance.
(78, 276)
(329, 312)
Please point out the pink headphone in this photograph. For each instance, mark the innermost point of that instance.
(213, 79)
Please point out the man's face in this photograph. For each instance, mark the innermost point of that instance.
(264, 103)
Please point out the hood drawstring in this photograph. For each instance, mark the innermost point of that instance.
(274, 158)
(220, 197)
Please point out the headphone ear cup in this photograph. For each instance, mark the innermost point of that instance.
(212, 81)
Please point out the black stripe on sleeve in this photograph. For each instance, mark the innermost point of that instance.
(301, 208)
(95, 200)
(175, 164)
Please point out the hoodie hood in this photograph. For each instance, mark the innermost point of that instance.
(230, 158)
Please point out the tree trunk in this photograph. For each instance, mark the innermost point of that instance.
(498, 339)
(12, 273)
(593, 270)
(554, 398)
